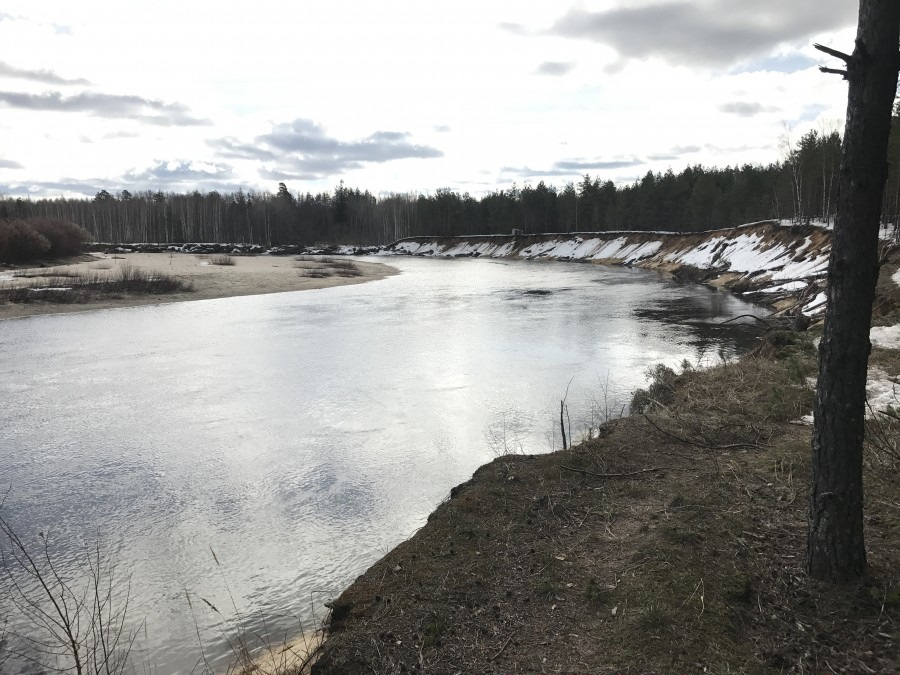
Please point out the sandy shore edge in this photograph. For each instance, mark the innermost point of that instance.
(250, 275)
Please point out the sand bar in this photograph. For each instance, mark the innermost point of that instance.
(249, 275)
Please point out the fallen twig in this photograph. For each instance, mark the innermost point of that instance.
(614, 475)
(698, 444)
(585, 517)
(745, 316)
(505, 645)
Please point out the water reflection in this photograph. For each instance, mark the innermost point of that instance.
(710, 318)
(301, 435)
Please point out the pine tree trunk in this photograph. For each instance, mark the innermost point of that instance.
(835, 545)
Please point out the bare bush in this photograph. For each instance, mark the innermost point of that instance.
(660, 390)
(65, 238)
(504, 437)
(23, 241)
(63, 623)
(322, 267)
(603, 406)
(19, 243)
(223, 260)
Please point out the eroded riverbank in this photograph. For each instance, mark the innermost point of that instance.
(783, 267)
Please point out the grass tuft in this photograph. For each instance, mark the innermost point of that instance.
(70, 287)
(318, 267)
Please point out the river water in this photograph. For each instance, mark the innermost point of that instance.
(299, 436)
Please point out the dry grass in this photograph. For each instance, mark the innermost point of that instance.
(252, 652)
(673, 543)
(47, 273)
(223, 260)
(318, 267)
(67, 287)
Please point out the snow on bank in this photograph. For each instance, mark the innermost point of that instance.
(763, 258)
(753, 253)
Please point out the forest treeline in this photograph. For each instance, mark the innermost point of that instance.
(801, 187)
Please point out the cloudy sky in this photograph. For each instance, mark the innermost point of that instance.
(403, 95)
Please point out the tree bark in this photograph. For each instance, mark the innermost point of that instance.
(835, 543)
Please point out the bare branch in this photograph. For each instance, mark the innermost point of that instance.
(700, 443)
(834, 71)
(69, 624)
(767, 324)
(846, 58)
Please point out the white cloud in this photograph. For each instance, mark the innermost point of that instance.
(704, 32)
(398, 95)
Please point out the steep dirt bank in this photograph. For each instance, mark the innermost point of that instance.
(780, 266)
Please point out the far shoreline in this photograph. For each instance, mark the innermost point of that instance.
(249, 275)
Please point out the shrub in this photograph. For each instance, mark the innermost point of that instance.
(65, 238)
(660, 390)
(225, 260)
(23, 241)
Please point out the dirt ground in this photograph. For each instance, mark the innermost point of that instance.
(248, 275)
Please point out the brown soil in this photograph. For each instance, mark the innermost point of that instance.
(674, 543)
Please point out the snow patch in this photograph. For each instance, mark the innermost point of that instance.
(882, 391)
(887, 337)
(504, 250)
(816, 305)
(786, 288)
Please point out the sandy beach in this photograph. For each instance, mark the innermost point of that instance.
(248, 275)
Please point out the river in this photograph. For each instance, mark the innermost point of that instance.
(300, 436)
